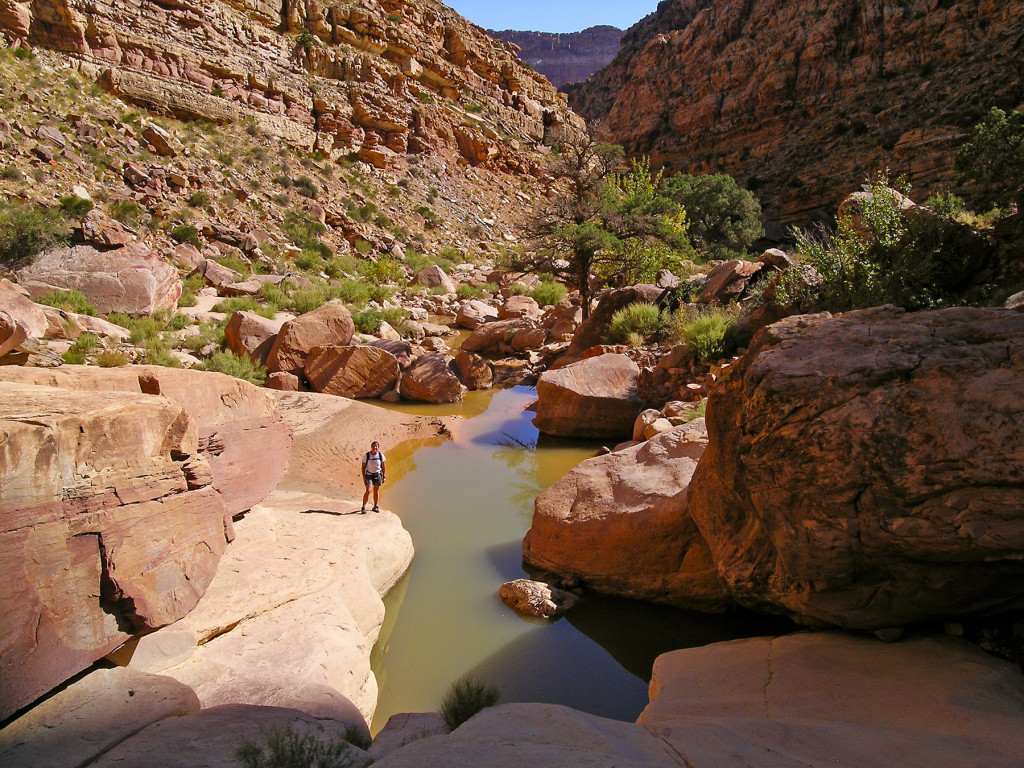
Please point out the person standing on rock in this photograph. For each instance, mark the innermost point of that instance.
(373, 475)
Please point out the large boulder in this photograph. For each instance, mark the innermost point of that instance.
(109, 526)
(248, 334)
(498, 336)
(817, 699)
(430, 380)
(330, 325)
(474, 313)
(20, 318)
(595, 397)
(241, 433)
(352, 371)
(133, 279)
(619, 523)
(473, 370)
(727, 281)
(434, 277)
(520, 306)
(865, 470)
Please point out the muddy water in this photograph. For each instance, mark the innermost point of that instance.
(467, 503)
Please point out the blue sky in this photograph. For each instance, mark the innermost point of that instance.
(553, 15)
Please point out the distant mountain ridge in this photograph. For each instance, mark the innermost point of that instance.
(565, 58)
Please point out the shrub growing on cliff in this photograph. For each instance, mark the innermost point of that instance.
(995, 154)
(288, 748)
(465, 698)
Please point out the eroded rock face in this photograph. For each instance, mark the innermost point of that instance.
(595, 397)
(110, 527)
(431, 380)
(20, 317)
(759, 702)
(565, 58)
(353, 371)
(473, 371)
(133, 279)
(535, 598)
(865, 471)
(620, 523)
(330, 325)
(251, 335)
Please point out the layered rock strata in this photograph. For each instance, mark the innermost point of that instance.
(565, 57)
(865, 470)
(802, 99)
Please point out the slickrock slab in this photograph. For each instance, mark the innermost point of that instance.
(291, 616)
(596, 397)
(540, 736)
(91, 716)
(620, 523)
(827, 699)
(241, 433)
(866, 470)
(109, 528)
(208, 739)
(132, 279)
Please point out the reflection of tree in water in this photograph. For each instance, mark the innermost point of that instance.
(401, 459)
(520, 456)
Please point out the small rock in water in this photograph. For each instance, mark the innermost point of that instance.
(535, 598)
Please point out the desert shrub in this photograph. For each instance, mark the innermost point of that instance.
(27, 231)
(707, 332)
(239, 366)
(83, 345)
(209, 332)
(186, 233)
(306, 187)
(380, 293)
(946, 203)
(126, 212)
(70, 301)
(198, 199)
(643, 321)
(74, 207)
(549, 293)
(304, 231)
(995, 155)
(177, 322)
(289, 749)
(722, 218)
(468, 292)
(351, 292)
(465, 698)
(235, 263)
(112, 358)
(369, 321)
(11, 173)
(307, 299)
(276, 294)
(245, 304)
(157, 353)
(518, 289)
(386, 269)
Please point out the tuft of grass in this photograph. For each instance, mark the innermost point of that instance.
(708, 333)
(369, 321)
(157, 353)
(112, 358)
(198, 199)
(518, 289)
(468, 292)
(74, 207)
(239, 366)
(186, 233)
(245, 304)
(126, 212)
(548, 293)
(289, 749)
(465, 698)
(643, 322)
(69, 301)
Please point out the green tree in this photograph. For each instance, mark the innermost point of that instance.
(995, 154)
(594, 227)
(723, 218)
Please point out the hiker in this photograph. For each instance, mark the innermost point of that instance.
(373, 475)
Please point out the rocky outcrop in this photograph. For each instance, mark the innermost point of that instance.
(620, 524)
(133, 279)
(473, 370)
(595, 397)
(20, 318)
(565, 58)
(330, 325)
(110, 527)
(352, 371)
(864, 470)
(923, 701)
(824, 92)
(592, 330)
(430, 380)
(498, 337)
(251, 335)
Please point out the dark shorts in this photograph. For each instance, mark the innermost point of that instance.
(375, 478)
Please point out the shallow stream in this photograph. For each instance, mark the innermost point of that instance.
(467, 502)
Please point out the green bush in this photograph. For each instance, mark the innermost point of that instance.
(235, 263)
(198, 199)
(69, 301)
(387, 269)
(75, 207)
(352, 292)
(307, 299)
(27, 231)
(209, 332)
(380, 293)
(245, 304)
(186, 233)
(635, 321)
(112, 358)
(157, 353)
(306, 187)
(465, 698)
(947, 204)
(468, 292)
(289, 749)
(241, 367)
(723, 219)
(369, 321)
(549, 293)
(11, 173)
(708, 332)
(126, 212)
(518, 289)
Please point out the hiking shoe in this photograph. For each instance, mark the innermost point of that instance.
(362, 510)
(376, 508)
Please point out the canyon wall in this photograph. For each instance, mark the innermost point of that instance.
(565, 58)
(801, 100)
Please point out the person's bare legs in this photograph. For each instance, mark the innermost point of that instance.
(366, 496)
(376, 496)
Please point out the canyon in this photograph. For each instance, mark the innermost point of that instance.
(564, 58)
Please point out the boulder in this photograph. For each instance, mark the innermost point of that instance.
(620, 524)
(474, 313)
(402, 350)
(243, 288)
(241, 433)
(211, 737)
(643, 421)
(562, 323)
(596, 397)
(865, 470)
(520, 306)
(188, 256)
(497, 336)
(99, 229)
(248, 334)
(430, 380)
(110, 527)
(283, 382)
(405, 728)
(216, 274)
(592, 330)
(531, 338)
(473, 371)
(359, 372)
(330, 325)
(535, 598)
(434, 277)
(163, 142)
(133, 279)
(727, 281)
(63, 731)
(539, 736)
(20, 317)
(922, 702)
